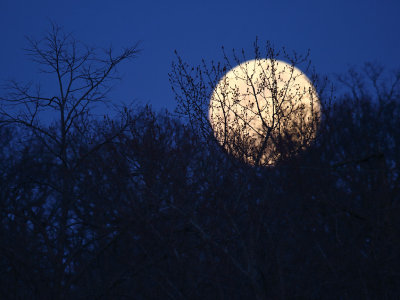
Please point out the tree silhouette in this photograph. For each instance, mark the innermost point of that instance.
(83, 78)
(146, 205)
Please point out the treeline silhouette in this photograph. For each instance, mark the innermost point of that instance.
(144, 206)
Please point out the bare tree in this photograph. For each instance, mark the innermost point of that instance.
(259, 116)
(83, 77)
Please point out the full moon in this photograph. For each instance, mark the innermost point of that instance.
(264, 110)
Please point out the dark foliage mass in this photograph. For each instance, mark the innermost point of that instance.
(146, 206)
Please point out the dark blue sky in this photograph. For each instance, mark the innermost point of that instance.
(338, 33)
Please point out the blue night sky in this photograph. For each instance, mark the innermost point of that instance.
(338, 33)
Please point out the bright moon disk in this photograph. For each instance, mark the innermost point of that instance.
(264, 110)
